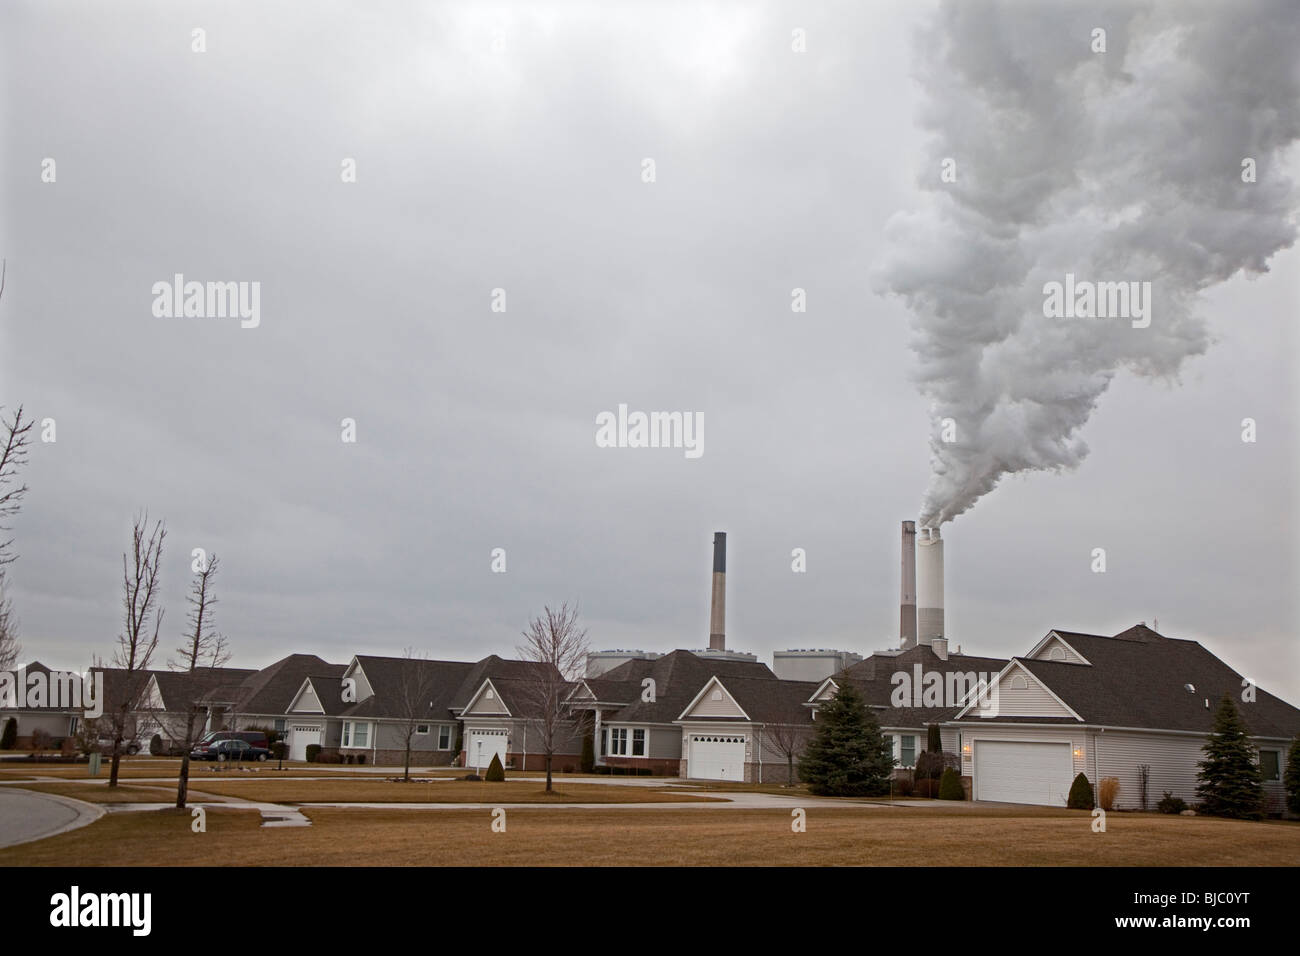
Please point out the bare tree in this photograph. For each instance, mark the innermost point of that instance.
(555, 641)
(142, 620)
(788, 738)
(15, 434)
(202, 648)
(414, 690)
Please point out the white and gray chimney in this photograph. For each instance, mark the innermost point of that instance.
(907, 601)
(929, 586)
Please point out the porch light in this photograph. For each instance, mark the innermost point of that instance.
(1078, 751)
(965, 748)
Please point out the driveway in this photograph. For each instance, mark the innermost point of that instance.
(26, 815)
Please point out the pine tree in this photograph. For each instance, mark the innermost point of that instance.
(933, 741)
(1230, 781)
(849, 756)
(1291, 778)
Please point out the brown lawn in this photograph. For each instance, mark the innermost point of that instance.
(351, 790)
(688, 836)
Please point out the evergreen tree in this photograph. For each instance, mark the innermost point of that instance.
(588, 759)
(495, 771)
(950, 787)
(1230, 781)
(849, 756)
(1291, 777)
(933, 742)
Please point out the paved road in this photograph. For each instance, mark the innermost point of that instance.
(27, 816)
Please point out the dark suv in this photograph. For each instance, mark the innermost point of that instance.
(228, 749)
(254, 738)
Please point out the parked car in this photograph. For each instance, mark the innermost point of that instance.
(229, 750)
(254, 738)
(105, 746)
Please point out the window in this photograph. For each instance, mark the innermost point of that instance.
(907, 750)
(1019, 683)
(1270, 764)
(444, 737)
(422, 729)
(638, 743)
(617, 742)
(716, 695)
(72, 725)
(279, 726)
(356, 734)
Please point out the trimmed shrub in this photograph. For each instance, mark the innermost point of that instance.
(1108, 792)
(10, 734)
(1080, 794)
(929, 789)
(950, 787)
(41, 740)
(361, 758)
(155, 746)
(902, 787)
(588, 760)
(313, 753)
(470, 776)
(495, 772)
(1171, 804)
(280, 750)
(1290, 779)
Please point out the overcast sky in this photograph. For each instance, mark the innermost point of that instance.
(502, 146)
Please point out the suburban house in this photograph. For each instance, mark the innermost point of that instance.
(912, 689)
(1108, 707)
(169, 698)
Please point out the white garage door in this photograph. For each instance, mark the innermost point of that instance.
(1015, 771)
(299, 738)
(482, 745)
(716, 757)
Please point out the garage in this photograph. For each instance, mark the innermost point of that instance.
(716, 757)
(1021, 771)
(482, 744)
(300, 738)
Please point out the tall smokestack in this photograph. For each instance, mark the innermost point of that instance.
(718, 612)
(907, 613)
(929, 586)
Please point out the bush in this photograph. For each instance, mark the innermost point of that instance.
(279, 750)
(1108, 792)
(10, 734)
(155, 746)
(1171, 804)
(1291, 778)
(929, 765)
(950, 787)
(1080, 794)
(568, 768)
(313, 753)
(470, 776)
(495, 772)
(329, 757)
(349, 758)
(361, 758)
(41, 740)
(588, 760)
(902, 787)
(929, 789)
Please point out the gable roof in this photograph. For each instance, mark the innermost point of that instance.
(1136, 679)
(874, 679)
(678, 677)
(274, 688)
(177, 690)
(761, 700)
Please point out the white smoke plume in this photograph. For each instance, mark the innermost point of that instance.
(1117, 166)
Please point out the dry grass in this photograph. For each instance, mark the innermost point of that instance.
(837, 836)
(381, 791)
(365, 791)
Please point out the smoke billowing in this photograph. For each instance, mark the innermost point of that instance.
(1122, 166)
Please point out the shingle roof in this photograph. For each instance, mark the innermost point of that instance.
(873, 677)
(678, 677)
(767, 700)
(272, 689)
(180, 688)
(1137, 679)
